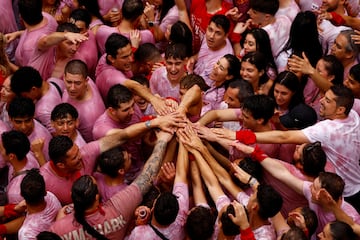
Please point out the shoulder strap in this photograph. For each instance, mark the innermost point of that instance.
(57, 87)
(158, 232)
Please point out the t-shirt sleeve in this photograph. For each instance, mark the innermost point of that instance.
(306, 190)
(127, 200)
(89, 154)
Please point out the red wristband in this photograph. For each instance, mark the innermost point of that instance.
(9, 211)
(247, 234)
(172, 98)
(258, 154)
(3, 229)
(337, 19)
(246, 136)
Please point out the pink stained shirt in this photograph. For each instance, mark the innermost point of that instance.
(89, 110)
(37, 222)
(29, 40)
(79, 140)
(61, 186)
(207, 58)
(106, 191)
(105, 123)
(289, 11)
(112, 221)
(160, 84)
(212, 98)
(8, 25)
(108, 76)
(200, 19)
(88, 53)
(45, 105)
(278, 33)
(340, 139)
(170, 18)
(176, 229)
(326, 217)
(41, 132)
(105, 31)
(106, 5)
(14, 179)
(328, 35)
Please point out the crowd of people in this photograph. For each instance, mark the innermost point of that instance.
(179, 119)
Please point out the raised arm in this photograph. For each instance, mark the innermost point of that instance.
(57, 37)
(182, 165)
(153, 164)
(298, 64)
(117, 137)
(191, 98)
(142, 91)
(207, 174)
(183, 14)
(221, 115)
(198, 192)
(273, 166)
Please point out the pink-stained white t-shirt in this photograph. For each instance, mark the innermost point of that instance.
(88, 53)
(29, 39)
(289, 11)
(107, 76)
(170, 18)
(106, 5)
(306, 5)
(45, 105)
(41, 132)
(61, 186)
(340, 139)
(8, 25)
(176, 229)
(207, 58)
(104, 32)
(89, 110)
(37, 222)
(212, 98)
(278, 32)
(112, 220)
(105, 123)
(79, 140)
(160, 84)
(326, 217)
(14, 179)
(106, 191)
(328, 35)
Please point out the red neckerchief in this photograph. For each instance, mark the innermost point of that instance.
(99, 208)
(74, 175)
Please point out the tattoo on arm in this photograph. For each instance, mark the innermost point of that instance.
(151, 168)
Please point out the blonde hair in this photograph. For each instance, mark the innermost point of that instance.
(4, 64)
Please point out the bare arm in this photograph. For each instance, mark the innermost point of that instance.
(183, 14)
(198, 192)
(182, 165)
(275, 168)
(119, 136)
(142, 91)
(153, 164)
(222, 115)
(57, 37)
(191, 98)
(293, 136)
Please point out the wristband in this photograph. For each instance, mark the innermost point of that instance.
(337, 19)
(9, 211)
(247, 234)
(246, 136)
(258, 154)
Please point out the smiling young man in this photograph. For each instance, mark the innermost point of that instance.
(165, 80)
(82, 93)
(214, 46)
